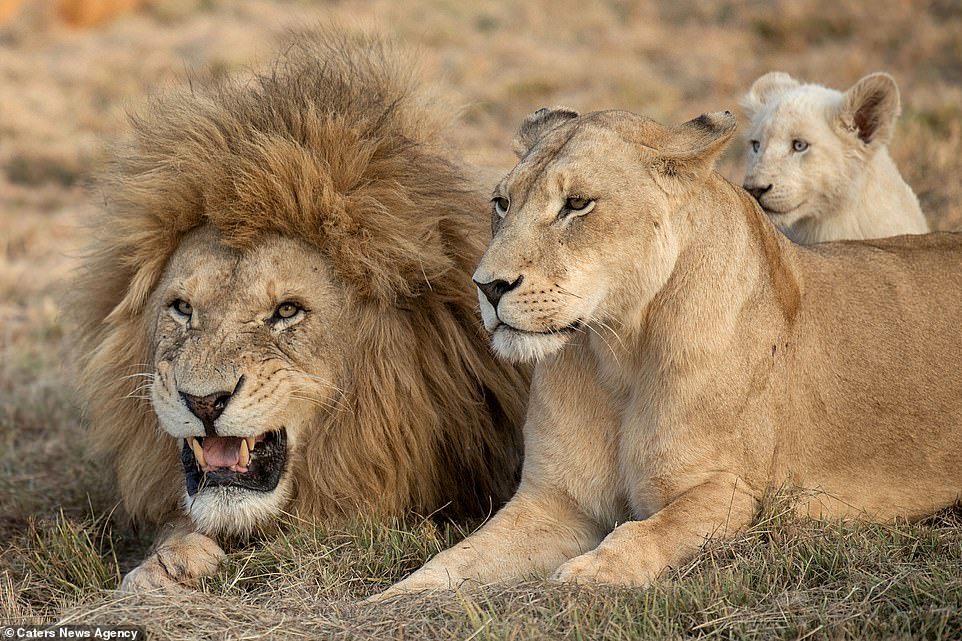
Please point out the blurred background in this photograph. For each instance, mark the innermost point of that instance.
(68, 69)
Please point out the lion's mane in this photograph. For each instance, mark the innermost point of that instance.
(335, 145)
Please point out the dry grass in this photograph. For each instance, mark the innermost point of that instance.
(63, 90)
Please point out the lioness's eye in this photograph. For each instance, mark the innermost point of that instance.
(182, 307)
(755, 145)
(287, 310)
(576, 206)
(799, 146)
(501, 205)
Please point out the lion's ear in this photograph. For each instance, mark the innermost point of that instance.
(772, 84)
(536, 125)
(695, 145)
(869, 109)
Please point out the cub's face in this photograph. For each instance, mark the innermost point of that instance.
(246, 356)
(809, 146)
(798, 164)
(581, 232)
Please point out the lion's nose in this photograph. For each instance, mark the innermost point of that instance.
(207, 408)
(757, 191)
(495, 289)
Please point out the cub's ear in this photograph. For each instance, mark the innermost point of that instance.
(536, 125)
(694, 146)
(869, 109)
(772, 84)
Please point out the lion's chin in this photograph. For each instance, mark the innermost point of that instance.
(528, 347)
(235, 511)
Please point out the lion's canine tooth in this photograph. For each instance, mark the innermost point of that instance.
(245, 455)
(251, 441)
(198, 452)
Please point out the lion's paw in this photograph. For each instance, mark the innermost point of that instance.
(175, 565)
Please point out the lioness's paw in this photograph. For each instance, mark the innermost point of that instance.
(424, 580)
(600, 566)
(175, 564)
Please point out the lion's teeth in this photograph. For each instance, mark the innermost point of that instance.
(245, 455)
(251, 441)
(198, 452)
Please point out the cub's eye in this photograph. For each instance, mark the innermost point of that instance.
(182, 307)
(501, 205)
(799, 146)
(577, 206)
(287, 310)
(755, 145)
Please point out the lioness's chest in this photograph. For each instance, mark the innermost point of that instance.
(665, 445)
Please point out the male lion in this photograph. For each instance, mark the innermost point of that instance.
(818, 160)
(690, 358)
(277, 312)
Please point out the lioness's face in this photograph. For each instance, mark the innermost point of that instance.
(798, 163)
(246, 344)
(581, 233)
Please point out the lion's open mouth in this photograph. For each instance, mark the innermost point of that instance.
(253, 463)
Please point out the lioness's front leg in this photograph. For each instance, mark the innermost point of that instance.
(179, 557)
(569, 496)
(638, 551)
(532, 535)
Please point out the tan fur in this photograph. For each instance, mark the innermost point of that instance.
(713, 361)
(327, 179)
(842, 185)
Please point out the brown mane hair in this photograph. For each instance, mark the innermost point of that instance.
(337, 146)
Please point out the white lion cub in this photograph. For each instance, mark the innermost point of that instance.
(818, 161)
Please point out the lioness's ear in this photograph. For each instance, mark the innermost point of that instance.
(773, 83)
(870, 107)
(695, 145)
(536, 125)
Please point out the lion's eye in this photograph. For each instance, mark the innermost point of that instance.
(182, 307)
(799, 146)
(287, 310)
(755, 145)
(501, 205)
(577, 206)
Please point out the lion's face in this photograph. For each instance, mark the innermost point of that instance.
(797, 162)
(809, 145)
(246, 349)
(581, 233)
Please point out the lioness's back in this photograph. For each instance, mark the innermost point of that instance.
(875, 368)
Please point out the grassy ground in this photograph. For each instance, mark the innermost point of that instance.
(62, 91)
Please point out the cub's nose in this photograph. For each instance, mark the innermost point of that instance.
(207, 408)
(757, 191)
(495, 289)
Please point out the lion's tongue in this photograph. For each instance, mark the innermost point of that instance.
(222, 451)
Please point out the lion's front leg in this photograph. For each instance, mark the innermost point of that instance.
(177, 560)
(635, 553)
(531, 536)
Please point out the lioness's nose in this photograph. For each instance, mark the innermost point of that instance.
(757, 191)
(495, 289)
(207, 408)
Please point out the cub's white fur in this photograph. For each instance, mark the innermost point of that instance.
(818, 160)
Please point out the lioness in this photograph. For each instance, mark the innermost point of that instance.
(690, 357)
(277, 311)
(818, 160)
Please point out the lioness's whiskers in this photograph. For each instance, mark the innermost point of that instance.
(567, 293)
(613, 332)
(605, 341)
